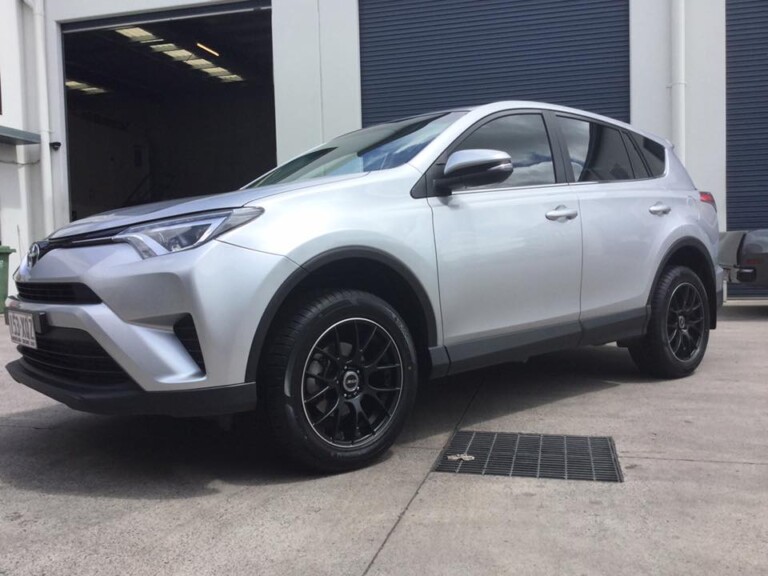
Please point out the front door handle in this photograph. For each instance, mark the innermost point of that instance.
(561, 214)
(659, 209)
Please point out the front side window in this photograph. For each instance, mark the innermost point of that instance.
(524, 138)
(596, 151)
(376, 148)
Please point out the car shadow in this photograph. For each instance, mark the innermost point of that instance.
(744, 311)
(60, 451)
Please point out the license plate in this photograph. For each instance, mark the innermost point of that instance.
(22, 326)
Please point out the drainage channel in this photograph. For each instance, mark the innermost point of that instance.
(532, 456)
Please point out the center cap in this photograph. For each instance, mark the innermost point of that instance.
(350, 381)
(681, 321)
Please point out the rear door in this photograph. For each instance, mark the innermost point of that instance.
(509, 269)
(626, 214)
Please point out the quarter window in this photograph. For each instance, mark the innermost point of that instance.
(654, 154)
(596, 151)
(524, 138)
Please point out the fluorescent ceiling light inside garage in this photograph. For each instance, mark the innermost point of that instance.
(200, 63)
(84, 87)
(231, 78)
(179, 54)
(137, 34)
(164, 47)
(217, 71)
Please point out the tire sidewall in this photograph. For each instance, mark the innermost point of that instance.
(337, 309)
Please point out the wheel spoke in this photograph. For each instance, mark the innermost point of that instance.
(385, 367)
(329, 413)
(317, 395)
(380, 355)
(379, 403)
(383, 389)
(368, 342)
(327, 354)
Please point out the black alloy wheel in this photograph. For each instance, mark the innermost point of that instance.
(353, 380)
(678, 329)
(338, 379)
(685, 321)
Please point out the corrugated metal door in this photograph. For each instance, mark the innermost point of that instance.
(421, 55)
(747, 109)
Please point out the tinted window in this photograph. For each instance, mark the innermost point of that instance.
(524, 138)
(654, 154)
(376, 148)
(634, 156)
(596, 151)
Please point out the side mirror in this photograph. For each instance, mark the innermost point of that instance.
(474, 168)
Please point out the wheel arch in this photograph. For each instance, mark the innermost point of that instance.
(691, 252)
(399, 284)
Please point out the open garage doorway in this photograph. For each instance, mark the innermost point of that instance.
(167, 106)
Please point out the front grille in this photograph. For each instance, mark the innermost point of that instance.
(74, 355)
(187, 334)
(57, 293)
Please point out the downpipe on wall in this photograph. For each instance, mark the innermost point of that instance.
(41, 77)
(678, 83)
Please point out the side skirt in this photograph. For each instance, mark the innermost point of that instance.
(520, 346)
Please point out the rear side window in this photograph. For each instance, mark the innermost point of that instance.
(638, 165)
(524, 138)
(653, 152)
(597, 152)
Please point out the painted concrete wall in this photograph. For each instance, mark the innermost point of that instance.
(19, 174)
(650, 84)
(317, 72)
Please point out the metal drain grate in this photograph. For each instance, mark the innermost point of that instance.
(532, 455)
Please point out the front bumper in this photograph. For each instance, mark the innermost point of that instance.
(126, 399)
(224, 288)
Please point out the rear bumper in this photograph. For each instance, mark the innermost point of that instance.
(127, 398)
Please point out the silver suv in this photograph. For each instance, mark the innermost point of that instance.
(324, 291)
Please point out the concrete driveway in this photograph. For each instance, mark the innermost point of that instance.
(83, 494)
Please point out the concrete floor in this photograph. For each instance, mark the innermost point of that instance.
(83, 494)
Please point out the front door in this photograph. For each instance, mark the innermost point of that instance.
(509, 254)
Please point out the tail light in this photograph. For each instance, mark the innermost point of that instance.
(708, 198)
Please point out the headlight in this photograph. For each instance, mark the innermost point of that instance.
(166, 236)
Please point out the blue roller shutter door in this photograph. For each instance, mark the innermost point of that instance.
(421, 55)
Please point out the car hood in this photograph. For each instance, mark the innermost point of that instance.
(124, 217)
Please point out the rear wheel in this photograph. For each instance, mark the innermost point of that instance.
(339, 379)
(678, 330)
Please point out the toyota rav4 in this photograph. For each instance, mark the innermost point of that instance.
(328, 288)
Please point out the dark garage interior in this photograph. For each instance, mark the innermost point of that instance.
(171, 108)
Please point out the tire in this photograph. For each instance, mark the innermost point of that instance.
(339, 379)
(678, 330)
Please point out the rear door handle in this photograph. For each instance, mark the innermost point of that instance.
(659, 209)
(561, 214)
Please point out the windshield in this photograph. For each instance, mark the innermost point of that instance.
(376, 148)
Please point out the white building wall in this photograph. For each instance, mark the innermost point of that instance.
(650, 45)
(317, 72)
(18, 165)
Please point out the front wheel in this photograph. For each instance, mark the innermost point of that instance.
(339, 379)
(678, 330)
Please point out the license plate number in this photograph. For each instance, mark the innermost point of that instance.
(22, 328)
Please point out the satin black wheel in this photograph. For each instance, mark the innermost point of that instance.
(685, 321)
(678, 330)
(353, 380)
(339, 379)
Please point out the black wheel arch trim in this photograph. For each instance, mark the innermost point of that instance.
(317, 262)
(709, 283)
